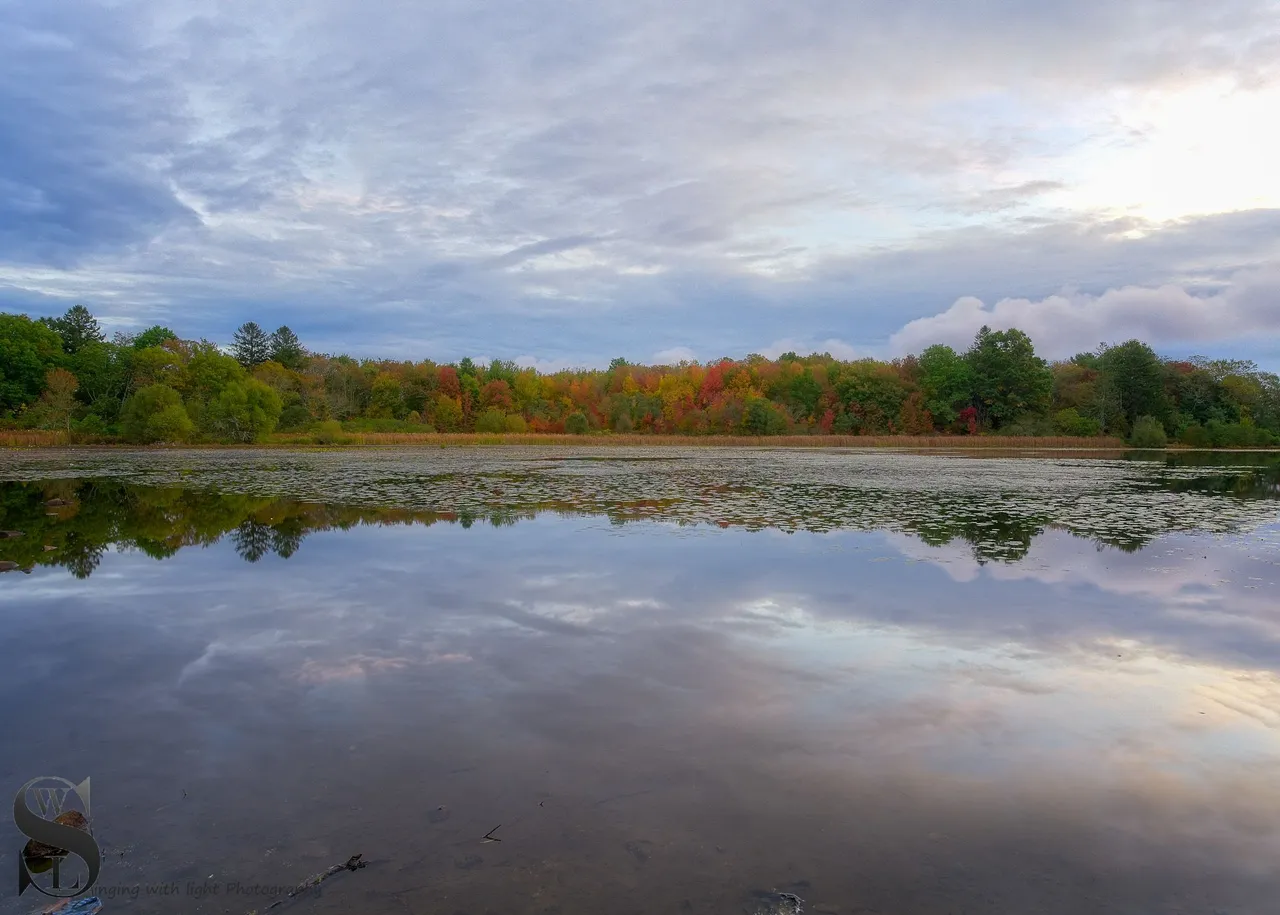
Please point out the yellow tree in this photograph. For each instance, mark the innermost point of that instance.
(58, 400)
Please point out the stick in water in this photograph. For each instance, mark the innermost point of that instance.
(352, 864)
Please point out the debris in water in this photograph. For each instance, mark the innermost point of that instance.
(73, 818)
(351, 864)
(774, 903)
(490, 837)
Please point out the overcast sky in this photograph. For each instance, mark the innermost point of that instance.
(658, 179)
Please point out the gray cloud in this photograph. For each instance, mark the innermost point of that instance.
(390, 178)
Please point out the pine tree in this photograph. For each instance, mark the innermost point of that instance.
(77, 328)
(286, 348)
(251, 345)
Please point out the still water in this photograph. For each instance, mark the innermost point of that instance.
(676, 681)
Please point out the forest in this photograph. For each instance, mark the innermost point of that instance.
(154, 386)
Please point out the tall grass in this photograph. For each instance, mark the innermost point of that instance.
(33, 438)
(47, 438)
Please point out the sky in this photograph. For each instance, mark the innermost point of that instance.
(563, 183)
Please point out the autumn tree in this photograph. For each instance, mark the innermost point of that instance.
(386, 398)
(446, 414)
(58, 401)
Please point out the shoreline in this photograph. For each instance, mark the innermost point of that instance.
(46, 441)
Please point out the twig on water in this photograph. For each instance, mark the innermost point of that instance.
(351, 864)
(490, 837)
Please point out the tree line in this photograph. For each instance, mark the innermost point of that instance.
(154, 386)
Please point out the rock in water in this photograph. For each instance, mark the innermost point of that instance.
(73, 818)
(7, 565)
(762, 903)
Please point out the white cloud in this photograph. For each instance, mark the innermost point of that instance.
(1068, 323)
(673, 355)
(547, 366)
(838, 348)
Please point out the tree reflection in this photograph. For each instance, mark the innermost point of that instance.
(71, 523)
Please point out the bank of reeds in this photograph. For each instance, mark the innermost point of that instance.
(33, 438)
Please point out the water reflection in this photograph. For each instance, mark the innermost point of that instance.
(664, 717)
(997, 513)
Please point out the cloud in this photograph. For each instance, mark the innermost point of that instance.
(674, 355)
(571, 180)
(1069, 323)
(838, 348)
(79, 127)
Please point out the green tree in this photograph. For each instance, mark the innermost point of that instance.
(155, 414)
(803, 394)
(28, 349)
(155, 365)
(763, 418)
(77, 328)
(105, 373)
(873, 394)
(207, 373)
(1148, 432)
(946, 380)
(1069, 422)
(243, 411)
(156, 335)
(1009, 379)
(576, 423)
(286, 348)
(251, 345)
(1137, 376)
(491, 420)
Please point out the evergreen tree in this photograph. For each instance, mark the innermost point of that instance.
(1137, 375)
(251, 345)
(286, 348)
(77, 328)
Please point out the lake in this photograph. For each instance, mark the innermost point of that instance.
(666, 680)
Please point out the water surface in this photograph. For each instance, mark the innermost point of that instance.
(677, 678)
